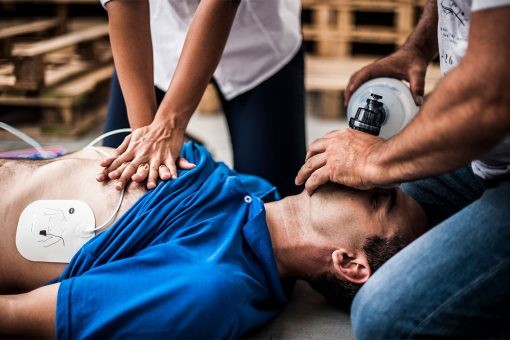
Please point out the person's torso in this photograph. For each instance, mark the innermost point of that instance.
(209, 221)
(71, 177)
(265, 36)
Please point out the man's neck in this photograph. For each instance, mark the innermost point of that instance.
(289, 222)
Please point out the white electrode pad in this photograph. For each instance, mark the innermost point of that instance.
(54, 230)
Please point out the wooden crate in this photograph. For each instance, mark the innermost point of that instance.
(332, 26)
(70, 108)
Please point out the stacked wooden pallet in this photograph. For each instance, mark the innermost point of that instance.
(333, 26)
(55, 84)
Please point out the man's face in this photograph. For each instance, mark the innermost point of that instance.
(354, 215)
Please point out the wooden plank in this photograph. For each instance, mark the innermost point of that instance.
(374, 35)
(54, 44)
(27, 28)
(6, 69)
(6, 81)
(64, 95)
(74, 68)
(84, 84)
(57, 75)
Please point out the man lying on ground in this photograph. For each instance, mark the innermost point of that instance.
(210, 254)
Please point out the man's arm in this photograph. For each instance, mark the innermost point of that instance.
(31, 314)
(409, 62)
(465, 116)
(159, 143)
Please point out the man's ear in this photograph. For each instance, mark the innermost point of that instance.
(353, 266)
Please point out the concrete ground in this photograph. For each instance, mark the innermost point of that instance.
(307, 316)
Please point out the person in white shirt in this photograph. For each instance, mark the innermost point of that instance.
(453, 281)
(167, 51)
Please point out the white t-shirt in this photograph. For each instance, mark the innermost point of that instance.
(453, 30)
(265, 35)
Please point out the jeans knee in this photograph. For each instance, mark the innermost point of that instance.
(364, 307)
(374, 314)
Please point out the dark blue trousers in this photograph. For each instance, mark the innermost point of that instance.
(267, 125)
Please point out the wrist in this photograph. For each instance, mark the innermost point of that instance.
(171, 120)
(140, 115)
(376, 171)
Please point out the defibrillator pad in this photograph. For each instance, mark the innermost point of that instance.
(54, 230)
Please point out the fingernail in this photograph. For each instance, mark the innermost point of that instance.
(112, 174)
(100, 177)
(119, 186)
(174, 176)
(419, 99)
(151, 185)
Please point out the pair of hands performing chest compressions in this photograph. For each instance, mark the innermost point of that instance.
(152, 150)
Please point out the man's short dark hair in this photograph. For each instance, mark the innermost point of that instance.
(339, 291)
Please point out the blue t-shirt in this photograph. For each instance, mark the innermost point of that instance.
(191, 259)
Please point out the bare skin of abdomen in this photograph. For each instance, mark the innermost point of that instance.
(71, 177)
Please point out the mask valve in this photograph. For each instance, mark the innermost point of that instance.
(370, 118)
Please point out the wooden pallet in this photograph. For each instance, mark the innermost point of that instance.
(68, 109)
(88, 50)
(332, 26)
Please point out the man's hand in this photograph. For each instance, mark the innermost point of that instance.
(147, 153)
(405, 64)
(341, 157)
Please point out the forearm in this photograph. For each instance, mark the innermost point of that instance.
(465, 116)
(424, 37)
(203, 47)
(31, 314)
(129, 26)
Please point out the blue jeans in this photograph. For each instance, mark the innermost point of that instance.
(266, 124)
(454, 281)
